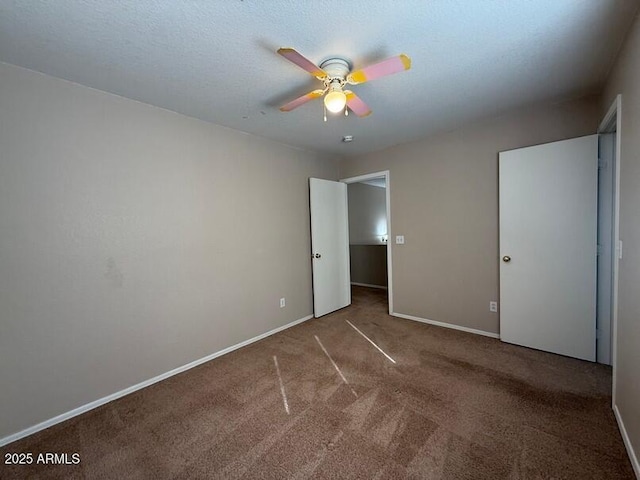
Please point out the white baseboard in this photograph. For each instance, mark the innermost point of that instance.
(114, 396)
(382, 287)
(627, 442)
(447, 325)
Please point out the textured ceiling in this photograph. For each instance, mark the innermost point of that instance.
(216, 59)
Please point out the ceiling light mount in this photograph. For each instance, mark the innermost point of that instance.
(336, 68)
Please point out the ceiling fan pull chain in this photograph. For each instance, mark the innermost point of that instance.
(346, 111)
(325, 111)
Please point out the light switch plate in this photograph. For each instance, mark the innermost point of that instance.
(399, 239)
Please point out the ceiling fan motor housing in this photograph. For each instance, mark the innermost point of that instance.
(336, 68)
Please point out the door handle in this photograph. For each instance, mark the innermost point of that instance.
(316, 255)
(506, 259)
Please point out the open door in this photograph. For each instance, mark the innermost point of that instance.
(548, 234)
(330, 246)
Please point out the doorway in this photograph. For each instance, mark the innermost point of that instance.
(609, 245)
(369, 232)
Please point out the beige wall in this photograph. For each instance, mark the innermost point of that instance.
(134, 241)
(625, 79)
(367, 222)
(444, 200)
(367, 213)
(368, 264)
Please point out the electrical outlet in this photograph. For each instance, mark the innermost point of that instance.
(493, 306)
(399, 239)
(282, 302)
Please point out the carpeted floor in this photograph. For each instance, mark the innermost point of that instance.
(320, 401)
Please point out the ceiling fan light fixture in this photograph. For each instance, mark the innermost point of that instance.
(335, 101)
(335, 73)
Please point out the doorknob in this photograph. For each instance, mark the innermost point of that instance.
(317, 255)
(506, 259)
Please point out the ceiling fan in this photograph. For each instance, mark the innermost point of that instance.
(336, 73)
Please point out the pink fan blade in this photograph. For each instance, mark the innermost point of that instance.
(386, 67)
(301, 100)
(294, 57)
(356, 105)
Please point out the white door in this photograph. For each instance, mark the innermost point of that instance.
(548, 231)
(330, 246)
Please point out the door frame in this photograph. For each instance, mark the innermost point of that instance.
(612, 122)
(371, 176)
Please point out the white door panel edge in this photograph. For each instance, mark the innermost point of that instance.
(606, 248)
(330, 246)
(548, 228)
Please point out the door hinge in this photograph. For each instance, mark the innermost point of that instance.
(598, 250)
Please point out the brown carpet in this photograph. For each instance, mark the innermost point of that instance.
(453, 406)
